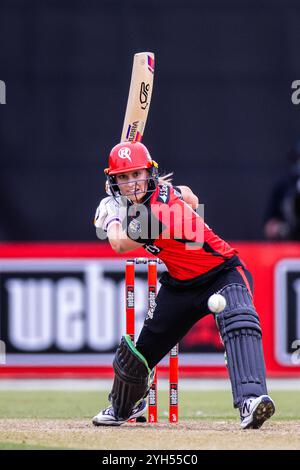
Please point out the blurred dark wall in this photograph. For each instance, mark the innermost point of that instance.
(221, 115)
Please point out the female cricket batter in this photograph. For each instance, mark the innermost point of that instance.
(145, 209)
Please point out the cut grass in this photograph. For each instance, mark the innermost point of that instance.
(196, 405)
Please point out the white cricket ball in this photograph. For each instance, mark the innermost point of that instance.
(216, 303)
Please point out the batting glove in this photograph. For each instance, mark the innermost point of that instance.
(110, 210)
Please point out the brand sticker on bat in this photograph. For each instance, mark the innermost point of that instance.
(144, 93)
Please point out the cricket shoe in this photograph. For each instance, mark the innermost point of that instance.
(255, 411)
(107, 417)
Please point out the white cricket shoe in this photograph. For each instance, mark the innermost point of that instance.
(255, 411)
(106, 417)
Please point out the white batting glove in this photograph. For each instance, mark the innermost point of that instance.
(101, 213)
(113, 213)
(107, 189)
(110, 210)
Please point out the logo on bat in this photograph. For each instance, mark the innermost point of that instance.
(125, 152)
(144, 92)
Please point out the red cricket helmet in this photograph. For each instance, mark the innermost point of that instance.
(130, 156)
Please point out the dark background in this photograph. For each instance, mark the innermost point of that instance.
(221, 115)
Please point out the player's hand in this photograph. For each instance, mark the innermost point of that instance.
(101, 212)
(116, 211)
(110, 210)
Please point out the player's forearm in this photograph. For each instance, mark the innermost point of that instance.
(193, 201)
(119, 241)
(189, 197)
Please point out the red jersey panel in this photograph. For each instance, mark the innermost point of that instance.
(187, 246)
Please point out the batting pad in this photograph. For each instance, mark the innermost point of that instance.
(131, 378)
(241, 333)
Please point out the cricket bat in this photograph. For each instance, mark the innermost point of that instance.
(139, 97)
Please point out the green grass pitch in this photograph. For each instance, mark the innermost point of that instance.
(84, 405)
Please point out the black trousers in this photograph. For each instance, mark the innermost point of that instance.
(177, 311)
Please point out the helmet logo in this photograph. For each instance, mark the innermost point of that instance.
(124, 152)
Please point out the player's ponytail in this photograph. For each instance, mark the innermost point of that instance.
(166, 179)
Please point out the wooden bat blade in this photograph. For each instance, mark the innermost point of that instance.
(139, 97)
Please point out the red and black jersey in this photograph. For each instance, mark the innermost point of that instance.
(175, 233)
